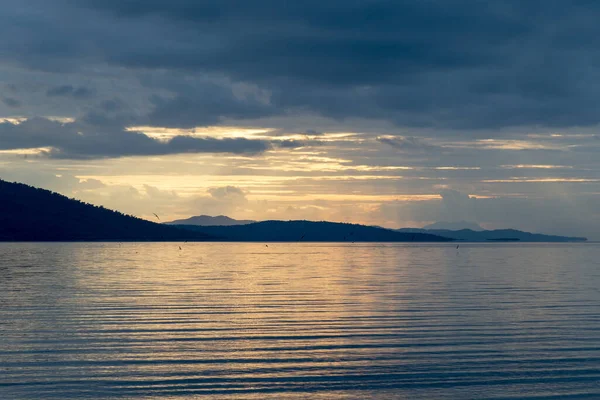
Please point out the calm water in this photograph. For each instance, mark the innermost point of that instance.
(325, 321)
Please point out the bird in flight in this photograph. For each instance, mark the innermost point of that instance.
(156, 216)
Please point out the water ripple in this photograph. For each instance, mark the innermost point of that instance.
(324, 321)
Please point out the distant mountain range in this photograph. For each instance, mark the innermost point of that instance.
(498, 235)
(31, 214)
(454, 226)
(205, 220)
(308, 231)
(230, 229)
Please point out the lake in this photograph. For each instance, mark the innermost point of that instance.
(299, 320)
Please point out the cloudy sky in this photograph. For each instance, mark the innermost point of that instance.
(396, 113)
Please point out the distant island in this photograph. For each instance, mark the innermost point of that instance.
(228, 229)
(33, 214)
(206, 220)
(498, 235)
(310, 231)
(454, 226)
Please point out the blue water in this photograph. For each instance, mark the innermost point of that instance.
(322, 321)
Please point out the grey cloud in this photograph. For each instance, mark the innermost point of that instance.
(575, 215)
(395, 37)
(91, 184)
(182, 144)
(75, 140)
(294, 144)
(157, 194)
(70, 91)
(312, 132)
(203, 108)
(226, 192)
(226, 200)
(63, 183)
(444, 64)
(450, 70)
(458, 206)
(11, 102)
(109, 119)
(408, 144)
(111, 105)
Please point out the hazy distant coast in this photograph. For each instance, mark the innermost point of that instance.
(32, 214)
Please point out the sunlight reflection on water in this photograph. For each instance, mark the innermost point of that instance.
(147, 320)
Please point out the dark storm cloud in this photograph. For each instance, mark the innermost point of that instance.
(457, 64)
(335, 41)
(75, 140)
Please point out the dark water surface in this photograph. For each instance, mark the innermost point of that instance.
(324, 321)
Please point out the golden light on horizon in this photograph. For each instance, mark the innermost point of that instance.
(541, 180)
(28, 151)
(536, 166)
(164, 133)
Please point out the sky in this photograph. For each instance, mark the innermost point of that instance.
(383, 112)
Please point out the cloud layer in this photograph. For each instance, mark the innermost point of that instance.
(451, 64)
(389, 112)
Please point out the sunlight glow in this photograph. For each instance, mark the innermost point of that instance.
(27, 152)
(162, 133)
(536, 166)
(457, 168)
(519, 180)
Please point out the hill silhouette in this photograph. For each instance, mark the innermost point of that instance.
(308, 231)
(454, 226)
(31, 214)
(206, 220)
(507, 235)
